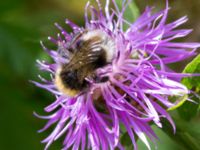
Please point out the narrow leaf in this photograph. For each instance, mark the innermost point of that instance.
(189, 109)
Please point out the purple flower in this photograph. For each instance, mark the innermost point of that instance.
(138, 81)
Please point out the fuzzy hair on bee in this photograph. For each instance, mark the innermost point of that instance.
(87, 52)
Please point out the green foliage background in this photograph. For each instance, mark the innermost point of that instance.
(23, 23)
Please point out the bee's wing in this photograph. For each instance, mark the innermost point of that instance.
(87, 54)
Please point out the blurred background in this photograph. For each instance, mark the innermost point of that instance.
(23, 23)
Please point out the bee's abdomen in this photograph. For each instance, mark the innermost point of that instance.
(72, 80)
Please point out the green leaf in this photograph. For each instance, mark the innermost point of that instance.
(131, 13)
(193, 67)
(180, 101)
(189, 109)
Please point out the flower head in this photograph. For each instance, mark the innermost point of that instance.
(131, 89)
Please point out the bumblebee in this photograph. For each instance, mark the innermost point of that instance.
(88, 51)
